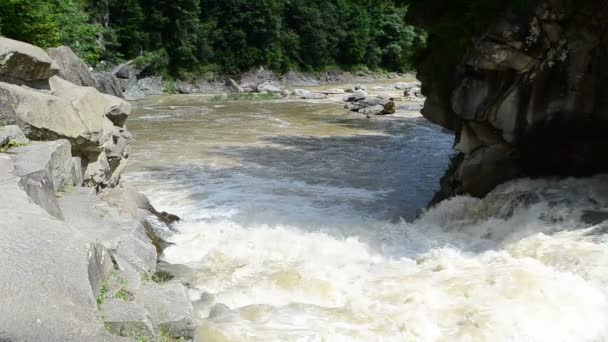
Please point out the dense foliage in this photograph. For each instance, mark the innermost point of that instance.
(453, 25)
(222, 35)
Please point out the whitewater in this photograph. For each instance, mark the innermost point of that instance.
(305, 223)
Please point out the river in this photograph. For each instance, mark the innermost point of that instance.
(303, 222)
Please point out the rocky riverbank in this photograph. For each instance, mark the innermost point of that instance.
(136, 82)
(528, 98)
(78, 250)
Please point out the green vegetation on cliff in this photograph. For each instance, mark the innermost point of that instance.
(227, 36)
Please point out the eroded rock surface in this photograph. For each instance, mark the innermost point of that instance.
(528, 99)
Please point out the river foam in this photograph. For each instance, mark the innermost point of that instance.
(291, 231)
(517, 266)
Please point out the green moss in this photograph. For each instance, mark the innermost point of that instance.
(125, 295)
(165, 336)
(103, 290)
(158, 277)
(10, 144)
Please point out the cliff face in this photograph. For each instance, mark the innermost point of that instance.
(528, 98)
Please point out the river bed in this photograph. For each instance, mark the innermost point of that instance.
(304, 222)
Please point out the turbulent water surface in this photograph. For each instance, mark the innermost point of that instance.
(293, 230)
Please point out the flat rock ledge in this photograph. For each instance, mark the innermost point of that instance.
(78, 249)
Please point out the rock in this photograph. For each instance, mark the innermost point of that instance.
(308, 95)
(71, 68)
(12, 133)
(53, 156)
(171, 308)
(129, 319)
(117, 110)
(100, 266)
(24, 63)
(186, 88)
(529, 89)
(413, 93)
(232, 86)
(141, 254)
(97, 170)
(132, 277)
(360, 87)
(138, 89)
(47, 117)
(268, 88)
(334, 91)
(108, 84)
(126, 70)
(358, 96)
(373, 110)
(405, 85)
(33, 246)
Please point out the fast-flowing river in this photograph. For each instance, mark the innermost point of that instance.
(300, 224)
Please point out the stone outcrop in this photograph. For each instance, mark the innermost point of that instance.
(71, 68)
(76, 265)
(93, 123)
(527, 99)
(74, 70)
(23, 63)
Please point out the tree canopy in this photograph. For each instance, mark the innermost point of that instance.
(227, 36)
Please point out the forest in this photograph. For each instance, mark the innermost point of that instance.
(224, 36)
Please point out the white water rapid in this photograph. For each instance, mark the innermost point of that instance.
(291, 230)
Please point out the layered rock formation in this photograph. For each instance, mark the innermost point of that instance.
(48, 107)
(527, 99)
(78, 251)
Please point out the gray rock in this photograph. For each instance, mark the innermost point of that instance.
(131, 275)
(171, 308)
(138, 89)
(34, 246)
(71, 68)
(268, 88)
(12, 133)
(44, 169)
(126, 70)
(129, 319)
(358, 96)
(53, 156)
(99, 266)
(308, 95)
(139, 253)
(373, 110)
(360, 87)
(108, 84)
(24, 63)
(232, 86)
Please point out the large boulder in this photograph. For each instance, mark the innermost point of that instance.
(23, 63)
(171, 308)
(268, 88)
(527, 99)
(92, 122)
(44, 168)
(71, 68)
(129, 319)
(46, 292)
(108, 84)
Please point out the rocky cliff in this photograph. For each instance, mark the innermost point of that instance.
(78, 250)
(527, 99)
